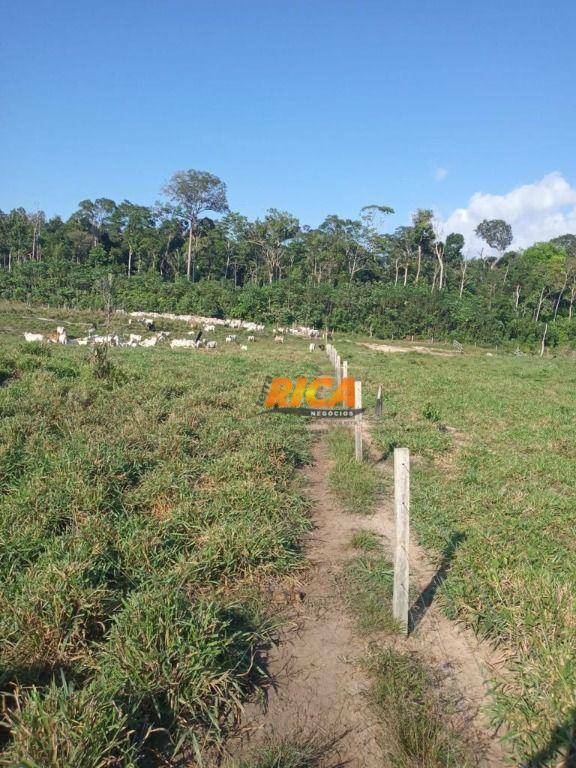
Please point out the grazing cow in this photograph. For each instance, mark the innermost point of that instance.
(33, 336)
(211, 345)
(60, 336)
(311, 347)
(186, 343)
(209, 328)
(151, 342)
(230, 339)
(251, 338)
(110, 339)
(243, 347)
(279, 339)
(134, 338)
(149, 323)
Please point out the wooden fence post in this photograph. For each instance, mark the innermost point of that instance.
(401, 597)
(378, 411)
(345, 369)
(358, 421)
(338, 370)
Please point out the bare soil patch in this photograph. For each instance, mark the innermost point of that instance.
(414, 348)
(318, 684)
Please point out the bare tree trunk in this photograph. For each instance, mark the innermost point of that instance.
(464, 268)
(396, 272)
(492, 294)
(129, 260)
(405, 273)
(189, 256)
(419, 264)
(440, 256)
(572, 296)
(543, 346)
(559, 299)
(517, 297)
(539, 307)
(10, 260)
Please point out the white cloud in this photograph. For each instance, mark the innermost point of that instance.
(536, 212)
(440, 174)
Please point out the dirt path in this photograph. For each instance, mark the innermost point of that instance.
(319, 685)
(398, 350)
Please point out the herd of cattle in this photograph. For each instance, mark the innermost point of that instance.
(196, 338)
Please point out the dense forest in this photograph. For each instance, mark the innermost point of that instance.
(190, 253)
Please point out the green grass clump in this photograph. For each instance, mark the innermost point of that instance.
(368, 581)
(182, 662)
(357, 485)
(416, 717)
(62, 727)
(294, 751)
(365, 540)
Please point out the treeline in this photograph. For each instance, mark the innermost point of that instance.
(346, 273)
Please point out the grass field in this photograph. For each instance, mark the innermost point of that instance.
(143, 502)
(494, 489)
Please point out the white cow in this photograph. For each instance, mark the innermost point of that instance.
(211, 345)
(33, 336)
(185, 343)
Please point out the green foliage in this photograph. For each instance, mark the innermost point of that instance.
(345, 274)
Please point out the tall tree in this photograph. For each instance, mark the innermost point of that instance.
(271, 235)
(423, 229)
(95, 216)
(194, 193)
(497, 234)
(135, 223)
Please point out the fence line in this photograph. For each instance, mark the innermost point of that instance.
(401, 591)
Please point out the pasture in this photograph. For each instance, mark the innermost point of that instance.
(143, 503)
(145, 507)
(493, 496)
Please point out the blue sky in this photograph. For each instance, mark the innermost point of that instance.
(314, 107)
